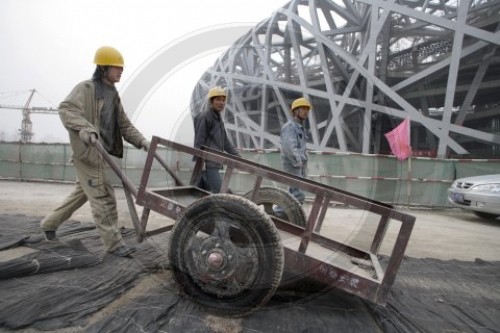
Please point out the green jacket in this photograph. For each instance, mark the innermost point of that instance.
(80, 111)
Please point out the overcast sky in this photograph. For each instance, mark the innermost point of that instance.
(49, 45)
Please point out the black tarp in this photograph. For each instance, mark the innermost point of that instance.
(429, 295)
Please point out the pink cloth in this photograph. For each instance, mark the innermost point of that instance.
(399, 140)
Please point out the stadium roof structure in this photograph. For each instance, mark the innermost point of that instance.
(366, 65)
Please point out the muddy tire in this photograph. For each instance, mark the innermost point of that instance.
(268, 197)
(226, 255)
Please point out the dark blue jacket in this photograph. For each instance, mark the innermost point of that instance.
(209, 131)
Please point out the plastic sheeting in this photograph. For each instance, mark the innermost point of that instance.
(103, 293)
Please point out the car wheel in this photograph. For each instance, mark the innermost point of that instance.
(486, 216)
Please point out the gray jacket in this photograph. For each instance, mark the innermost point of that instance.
(293, 144)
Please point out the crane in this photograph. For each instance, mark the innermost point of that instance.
(26, 130)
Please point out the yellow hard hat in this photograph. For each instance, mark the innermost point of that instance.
(216, 91)
(301, 102)
(108, 56)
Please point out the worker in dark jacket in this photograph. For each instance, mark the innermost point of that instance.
(93, 111)
(209, 131)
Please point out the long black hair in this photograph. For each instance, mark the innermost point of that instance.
(99, 73)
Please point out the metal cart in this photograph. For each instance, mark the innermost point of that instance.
(228, 252)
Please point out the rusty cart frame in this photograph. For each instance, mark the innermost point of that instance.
(306, 253)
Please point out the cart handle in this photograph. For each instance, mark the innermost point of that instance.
(178, 181)
(125, 180)
(116, 168)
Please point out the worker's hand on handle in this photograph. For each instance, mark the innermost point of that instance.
(88, 137)
(145, 144)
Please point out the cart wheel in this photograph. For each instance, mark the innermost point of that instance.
(291, 207)
(226, 254)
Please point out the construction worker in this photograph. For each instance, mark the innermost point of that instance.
(93, 111)
(293, 144)
(209, 131)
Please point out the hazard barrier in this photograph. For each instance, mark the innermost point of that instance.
(419, 181)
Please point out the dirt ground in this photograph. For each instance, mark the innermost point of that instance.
(442, 234)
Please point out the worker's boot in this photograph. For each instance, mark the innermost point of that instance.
(50, 235)
(123, 251)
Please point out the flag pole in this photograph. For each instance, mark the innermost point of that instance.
(408, 186)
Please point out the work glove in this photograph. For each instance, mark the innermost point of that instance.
(145, 144)
(87, 137)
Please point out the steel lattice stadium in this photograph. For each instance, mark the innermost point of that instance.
(365, 66)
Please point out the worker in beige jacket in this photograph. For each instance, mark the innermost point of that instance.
(93, 111)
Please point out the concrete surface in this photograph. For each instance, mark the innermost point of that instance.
(442, 234)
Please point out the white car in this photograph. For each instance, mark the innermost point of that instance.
(479, 194)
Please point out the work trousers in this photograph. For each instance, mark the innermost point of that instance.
(92, 185)
(294, 191)
(301, 172)
(211, 180)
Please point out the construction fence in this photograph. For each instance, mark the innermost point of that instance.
(416, 182)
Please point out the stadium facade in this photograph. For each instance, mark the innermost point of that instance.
(366, 65)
